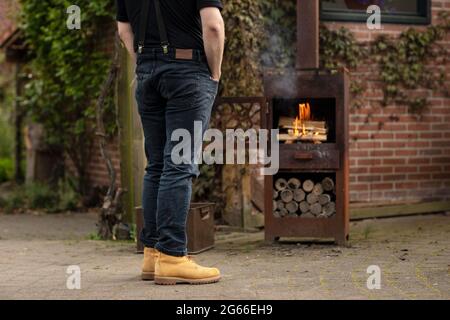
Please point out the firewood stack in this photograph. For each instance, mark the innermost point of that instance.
(305, 199)
(302, 131)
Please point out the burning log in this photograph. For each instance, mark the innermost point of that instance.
(281, 184)
(312, 198)
(324, 199)
(308, 185)
(286, 137)
(328, 184)
(292, 207)
(302, 128)
(289, 123)
(304, 207)
(299, 195)
(316, 209)
(294, 183)
(318, 189)
(287, 196)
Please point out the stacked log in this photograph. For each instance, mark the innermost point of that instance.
(306, 199)
(307, 131)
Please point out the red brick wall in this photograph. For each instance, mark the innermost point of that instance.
(96, 169)
(407, 159)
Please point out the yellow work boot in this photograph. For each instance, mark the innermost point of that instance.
(148, 266)
(174, 270)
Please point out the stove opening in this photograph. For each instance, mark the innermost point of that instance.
(305, 120)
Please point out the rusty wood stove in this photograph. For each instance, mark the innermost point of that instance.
(306, 160)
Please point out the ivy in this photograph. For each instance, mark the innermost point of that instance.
(404, 64)
(65, 73)
(241, 69)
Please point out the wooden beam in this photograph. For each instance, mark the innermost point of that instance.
(125, 105)
(387, 211)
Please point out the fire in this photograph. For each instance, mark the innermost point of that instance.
(296, 131)
(304, 111)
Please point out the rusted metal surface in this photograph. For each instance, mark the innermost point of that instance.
(310, 156)
(200, 227)
(307, 34)
(300, 158)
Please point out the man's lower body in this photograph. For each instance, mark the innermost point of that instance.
(175, 99)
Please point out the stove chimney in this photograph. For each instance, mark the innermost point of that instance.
(307, 34)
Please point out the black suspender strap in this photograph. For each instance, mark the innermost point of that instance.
(161, 26)
(143, 22)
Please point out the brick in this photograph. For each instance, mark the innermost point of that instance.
(369, 162)
(441, 160)
(405, 169)
(381, 170)
(371, 178)
(394, 177)
(360, 186)
(393, 144)
(419, 160)
(406, 152)
(419, 176)
(358, 170)
(406, 135)
(431, 135)
(394, 161)
(430, 169)
(381, 153)
(381, 186)
(406, 185)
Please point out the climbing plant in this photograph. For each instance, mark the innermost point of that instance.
(65, 73)
(404, 64)
(241, 69)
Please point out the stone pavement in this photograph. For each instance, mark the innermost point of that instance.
(413, 254)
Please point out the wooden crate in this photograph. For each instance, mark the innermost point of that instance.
(200, 228)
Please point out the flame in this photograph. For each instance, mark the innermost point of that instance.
(304, 111)
(304, 114)
(296, 131)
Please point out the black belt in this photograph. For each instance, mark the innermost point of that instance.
(161, 26)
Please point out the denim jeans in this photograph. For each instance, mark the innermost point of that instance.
(171, 94)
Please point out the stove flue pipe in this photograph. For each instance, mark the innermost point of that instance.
(307, 34)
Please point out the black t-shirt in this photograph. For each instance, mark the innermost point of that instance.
(181, 17)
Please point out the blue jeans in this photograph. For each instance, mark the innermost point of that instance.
(171, 94)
